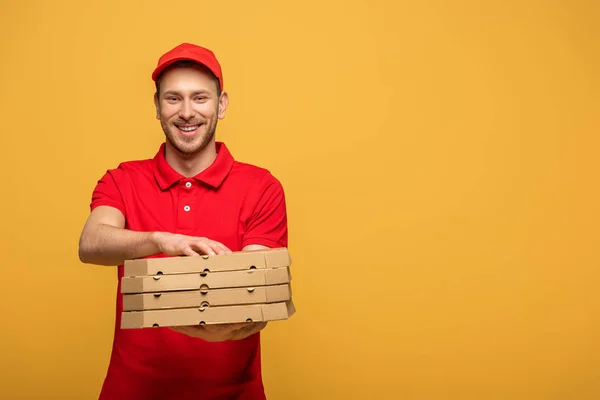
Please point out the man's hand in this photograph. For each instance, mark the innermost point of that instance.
(176, 245)
(249, 330)
(221, 332)
(105, 241)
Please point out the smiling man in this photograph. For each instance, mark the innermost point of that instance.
(192, 197)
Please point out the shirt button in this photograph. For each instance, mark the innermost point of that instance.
(188, 184)
(186, 208)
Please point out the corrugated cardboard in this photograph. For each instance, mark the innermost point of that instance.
(206, 298)
(240, 260)
(210, 280)
(207, 315)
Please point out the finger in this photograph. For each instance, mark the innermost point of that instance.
(240, 324)
(248, 331)
(220, 248)
(189, 252)
(194, 331)
(227, 327)
(203, 247)
(227, 249)
(217, 247)
(181, 329)
(224, 327)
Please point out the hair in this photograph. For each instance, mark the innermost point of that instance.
(187, 64)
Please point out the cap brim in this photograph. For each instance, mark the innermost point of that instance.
(157, 71)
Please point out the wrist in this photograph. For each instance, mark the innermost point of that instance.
(156, 240)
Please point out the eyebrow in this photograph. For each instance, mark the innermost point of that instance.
(197, 92)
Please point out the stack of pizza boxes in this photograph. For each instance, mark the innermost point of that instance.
(236, 287)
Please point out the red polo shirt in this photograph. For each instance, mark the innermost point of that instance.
(234, 203)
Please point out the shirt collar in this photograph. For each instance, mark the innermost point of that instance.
(214, 175)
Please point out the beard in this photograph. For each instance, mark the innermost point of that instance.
(189, 146)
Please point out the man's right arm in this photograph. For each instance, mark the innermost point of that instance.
(105, 241)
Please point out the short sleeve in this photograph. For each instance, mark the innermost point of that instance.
(267, 225)
(107, 193)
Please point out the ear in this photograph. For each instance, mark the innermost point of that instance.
(156, 106)
(223, 103)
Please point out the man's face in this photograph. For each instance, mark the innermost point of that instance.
(188, 107)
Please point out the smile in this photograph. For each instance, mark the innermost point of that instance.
(187, 130)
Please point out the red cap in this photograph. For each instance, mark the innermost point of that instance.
(187, 51)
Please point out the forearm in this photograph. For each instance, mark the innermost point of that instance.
(107, 245)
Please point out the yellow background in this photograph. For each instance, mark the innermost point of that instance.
(440, 164)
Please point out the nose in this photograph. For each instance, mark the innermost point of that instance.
(186, 112)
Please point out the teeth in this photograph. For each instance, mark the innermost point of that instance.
(188, 128)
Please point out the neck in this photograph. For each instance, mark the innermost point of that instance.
(190, 165)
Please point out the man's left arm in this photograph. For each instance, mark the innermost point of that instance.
(266, 229)
(267, 226)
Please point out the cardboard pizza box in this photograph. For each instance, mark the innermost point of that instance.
(206, 280)
(207, 315)
(207, 298)
(239, 260)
